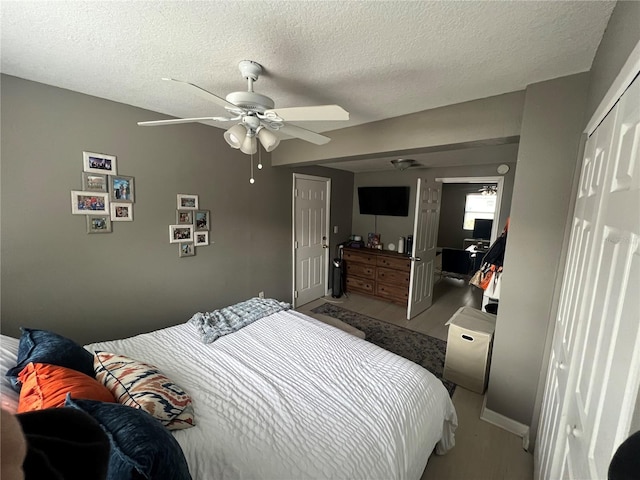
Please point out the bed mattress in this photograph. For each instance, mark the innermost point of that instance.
(289, 397)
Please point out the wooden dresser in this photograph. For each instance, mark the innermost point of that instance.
(379, 273)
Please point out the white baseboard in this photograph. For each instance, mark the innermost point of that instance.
(506, 423)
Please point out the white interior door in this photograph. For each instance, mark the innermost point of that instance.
(425, 237)
(311, 196)
(594, 370)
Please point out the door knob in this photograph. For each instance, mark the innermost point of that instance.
(573, 431)
(561, 366)
(415, 259)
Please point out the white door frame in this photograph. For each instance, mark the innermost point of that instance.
(495, 229)
(327, 181)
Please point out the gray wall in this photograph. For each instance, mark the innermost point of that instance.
(391, 228)
(492, 118)
(552, 124)
(95, 287)
(619, 39)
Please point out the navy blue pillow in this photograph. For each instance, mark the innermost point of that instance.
(43, 346)
(140, 445)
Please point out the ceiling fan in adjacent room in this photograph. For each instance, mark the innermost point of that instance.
(255, 117)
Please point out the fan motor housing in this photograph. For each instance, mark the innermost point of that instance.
(251, 101)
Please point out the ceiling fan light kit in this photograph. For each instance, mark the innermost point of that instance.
(235, 135)
(403, 163)
(268, 139)
(257, 115)
(249, 145)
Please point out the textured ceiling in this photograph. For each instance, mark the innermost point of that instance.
(376, 59)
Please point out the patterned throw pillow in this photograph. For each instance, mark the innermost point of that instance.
(141, 385)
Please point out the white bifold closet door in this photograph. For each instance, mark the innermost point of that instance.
(594, 368)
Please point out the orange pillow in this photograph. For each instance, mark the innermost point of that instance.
(46, 386)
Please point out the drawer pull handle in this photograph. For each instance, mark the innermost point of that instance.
(467, 337)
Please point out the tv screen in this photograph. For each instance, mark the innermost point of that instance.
(391, 201)
(482, 229)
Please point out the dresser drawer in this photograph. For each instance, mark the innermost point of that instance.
(360, 284)
(393, 277)
(360, 270)
(394, 293)
(400, 263)
(359, 257)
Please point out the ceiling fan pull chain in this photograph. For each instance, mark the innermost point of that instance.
(259, 158)
(252, 180)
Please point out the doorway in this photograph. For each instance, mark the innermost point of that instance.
(499, 181)
(310, 243)
(459, 267)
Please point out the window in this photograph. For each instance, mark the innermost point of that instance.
(478, 205)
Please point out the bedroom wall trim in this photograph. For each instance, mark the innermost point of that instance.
(506, 423)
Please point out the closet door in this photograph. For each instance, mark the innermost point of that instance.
(594, 370)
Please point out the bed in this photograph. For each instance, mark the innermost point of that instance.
(288, 396)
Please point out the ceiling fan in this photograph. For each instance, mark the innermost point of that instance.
(489, 189)
(404, 163)
(255, 117)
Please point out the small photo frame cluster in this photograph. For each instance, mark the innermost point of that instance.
(105, 197)
(192, 225)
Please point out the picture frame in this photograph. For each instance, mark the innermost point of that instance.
(121, 188)
(186, 249)
(373, 240)
(187, 201)
(184, 217)
(99, 163)
(98, 223)
(121, 212)
(180, 233)
(202, 220)
(200, 239)
(89, 203)
(94, 182)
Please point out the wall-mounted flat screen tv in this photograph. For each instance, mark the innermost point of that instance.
(391, 201)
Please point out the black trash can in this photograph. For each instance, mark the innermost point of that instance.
(338, 278)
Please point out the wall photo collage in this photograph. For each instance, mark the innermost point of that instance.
(105, 197)
(192, 225)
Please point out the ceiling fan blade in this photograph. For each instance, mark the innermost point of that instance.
(312, 113)
(184, 120)
(205, 93)
(304, 134)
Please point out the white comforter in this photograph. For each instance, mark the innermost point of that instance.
(289, 397)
